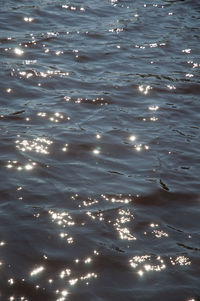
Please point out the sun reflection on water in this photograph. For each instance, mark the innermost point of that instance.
(37, 271)
(153, 108)
(145, 90)
(132, 138)
(147, 263)
(54, 117)
(28, 19)
(125, 217)
(96, 151)
(18, 166)
(82, 238)
(18, 51)
(38, 145)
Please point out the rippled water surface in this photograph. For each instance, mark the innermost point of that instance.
(100, 150)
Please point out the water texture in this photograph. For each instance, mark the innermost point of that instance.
(100, 150)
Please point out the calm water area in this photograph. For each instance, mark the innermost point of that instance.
(100, 150)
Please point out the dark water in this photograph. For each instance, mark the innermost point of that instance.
(100, 150)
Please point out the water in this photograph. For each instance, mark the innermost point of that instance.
(99, 157)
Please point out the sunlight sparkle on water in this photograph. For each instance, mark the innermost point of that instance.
(171, 87)
(186, 50)
(180, 260)
(18, 51)
(58, 52)
(153, 119)
(132, 138)
(155, 263)
(140, 273)
(98, 136)
(88, 260)
(159, 233)
(89, 275)
(28, 19)
(145, 90)
(125, 217)
(38, 145)
(153, 108)
(64, 149)
(15, 164)
(37, 271)
(11, 281)
(73, 281)
(28, 167)
(96, 151)
(189, 75)
(64, 293)
(119, 200)
(138, 147)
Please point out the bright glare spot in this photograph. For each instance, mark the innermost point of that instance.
(132, 138)
(89, 275)
(145, 90)
(171, 87)
(62, 235)
(96, 151)
(153, 225)
(28, 167)
(88, 260)
(159, 233)
(73, 281)
(70, 240)
(18, 51)
(26, 19)
(153, 45)
(147, 267)
(59, 52)
(189, 75)
(186, 50)
(11, 281)
(182, 260)
(140, 273)
(64, 293)
(154, 118)
(153, 108)
(37, 271)
(98, 136)
(138, 148)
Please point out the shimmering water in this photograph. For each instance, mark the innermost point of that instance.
(100, 150)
